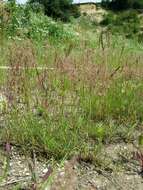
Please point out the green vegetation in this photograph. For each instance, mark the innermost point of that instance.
(59, 9)
(127, 23)
(119, 5)
(21, 22)
(66, 89)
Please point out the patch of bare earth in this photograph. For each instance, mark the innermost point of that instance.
(117, 168)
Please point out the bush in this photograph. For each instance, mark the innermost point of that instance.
(87, 22)
(126, 23)
(30, 22)
(138, 4)
(59, 9)
(42, 27)
(118, 5)
(121, 4)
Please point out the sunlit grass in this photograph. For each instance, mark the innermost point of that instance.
(91, 93)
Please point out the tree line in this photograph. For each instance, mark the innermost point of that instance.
(123, 4)
(58, 9)
(65, 9)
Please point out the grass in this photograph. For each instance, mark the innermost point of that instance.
(86, 96)
(89, 92)
(70, 89)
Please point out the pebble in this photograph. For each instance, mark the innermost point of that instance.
(45, 170)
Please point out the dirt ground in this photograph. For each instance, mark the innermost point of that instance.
(119, 170)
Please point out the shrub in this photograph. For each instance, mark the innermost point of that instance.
(127, 23)
(30, 22)
(118, 5)
(42, 27)
(138, 4)
(59, 9)
(87, 22)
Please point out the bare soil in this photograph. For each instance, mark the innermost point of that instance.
(118, 170)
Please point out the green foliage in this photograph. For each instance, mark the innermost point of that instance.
(126, 23)
(63, 98)
(56, 139)
(120, 102)
(119, 5)
(87, 22)
(138, 4)
(140, 140)
(42, 27)
(30, 22)
(59, 9)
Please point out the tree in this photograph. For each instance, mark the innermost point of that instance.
(123, 4)
(138, 4)
(59, 9)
